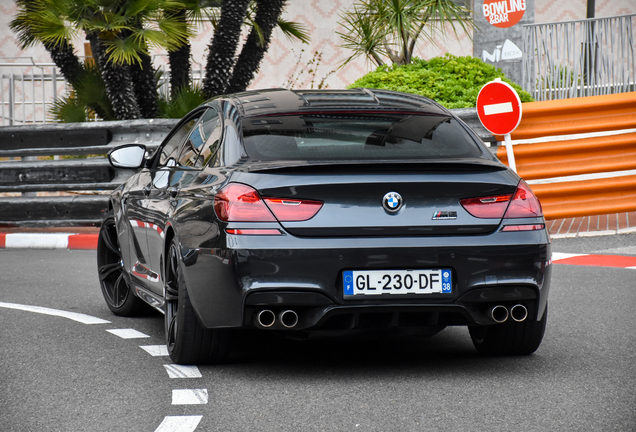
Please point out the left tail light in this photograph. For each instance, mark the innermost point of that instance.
(237, 202)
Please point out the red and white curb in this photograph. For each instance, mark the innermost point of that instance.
(617, 261)
(48, 241)
(175, 423)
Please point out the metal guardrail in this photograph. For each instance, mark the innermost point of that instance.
(579, 58)
(84, 183)
(579, 155)
(61, 191)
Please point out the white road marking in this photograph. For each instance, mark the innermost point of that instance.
(84, 319)
(179, 423)
(180, 371)
(500, 108)
(179, 397)
(127, 333)
(190, 397)
(155, 350)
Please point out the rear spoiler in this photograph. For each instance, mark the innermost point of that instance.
(437, 165)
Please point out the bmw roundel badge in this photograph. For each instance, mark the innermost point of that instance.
(392, 202)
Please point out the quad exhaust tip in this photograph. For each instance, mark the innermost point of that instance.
(266, 318)
(288, 318)
(518, 312)
(500, 313)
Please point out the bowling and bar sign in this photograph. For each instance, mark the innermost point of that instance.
(503, 13)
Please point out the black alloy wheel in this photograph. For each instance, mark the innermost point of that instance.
(510, 338)
(187, 340)
(171, 297)
(112, 274)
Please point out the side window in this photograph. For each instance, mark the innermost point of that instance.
(213, 131)
(231, 147)
(202, 142)
(169, 150)
(190, 150)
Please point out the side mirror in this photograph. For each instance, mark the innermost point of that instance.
(127, 156)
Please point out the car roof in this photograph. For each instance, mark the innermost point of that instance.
(279, 101)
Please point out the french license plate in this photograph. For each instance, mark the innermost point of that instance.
(376, 282)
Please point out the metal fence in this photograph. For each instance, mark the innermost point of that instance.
(29, 89)
(579, 58)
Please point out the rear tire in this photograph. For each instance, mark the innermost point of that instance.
(510, 338)
(187, 340)
(112, 274)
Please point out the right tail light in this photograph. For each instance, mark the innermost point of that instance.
(522, 204)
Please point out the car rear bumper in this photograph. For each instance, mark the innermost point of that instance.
(230, 286)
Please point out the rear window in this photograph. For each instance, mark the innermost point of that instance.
(357, 137)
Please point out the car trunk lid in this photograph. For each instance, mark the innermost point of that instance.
(354, 195)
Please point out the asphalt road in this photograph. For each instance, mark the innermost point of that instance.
(58, 374)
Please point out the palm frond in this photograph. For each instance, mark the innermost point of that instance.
(177, 32)
(363, 35)
(186, 99)
(68, 109)
(393, 28)
(294, 31)
(123, 50)
(444, 12)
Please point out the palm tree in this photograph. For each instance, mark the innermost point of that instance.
(117, 79)
(179, 61)
(222, 48)
(125, 30)
(266, 17)
(30, 22)
(120, 33)
(262, 16)
(189, 13)
(392, 29)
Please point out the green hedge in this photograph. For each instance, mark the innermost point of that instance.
(452, 81)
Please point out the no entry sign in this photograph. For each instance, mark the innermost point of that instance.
(499, 107)
(499, 110)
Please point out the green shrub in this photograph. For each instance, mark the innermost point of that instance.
(452, 81)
